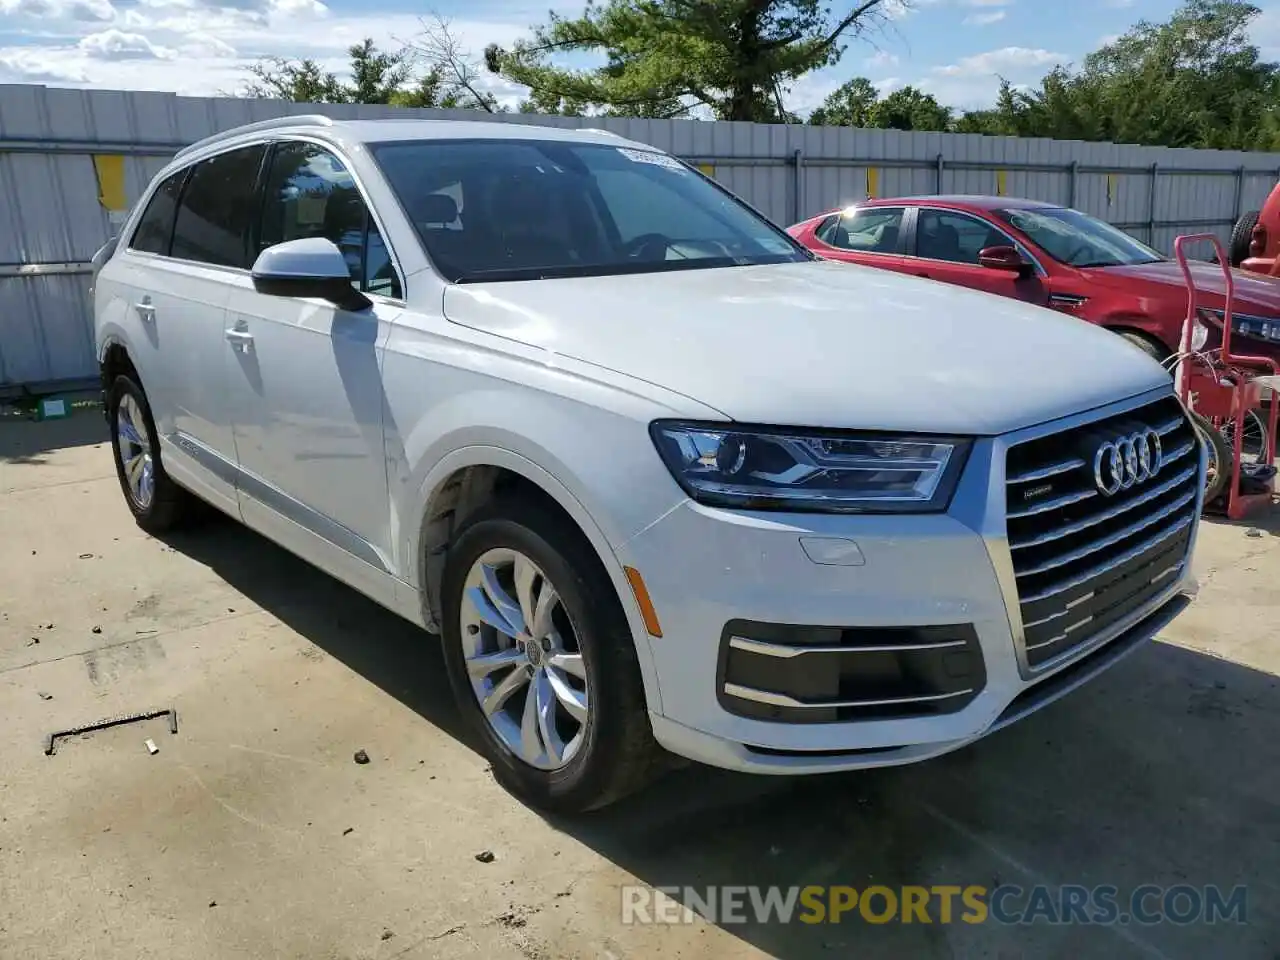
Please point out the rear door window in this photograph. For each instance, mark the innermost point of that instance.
(217, 207)
(868, 230)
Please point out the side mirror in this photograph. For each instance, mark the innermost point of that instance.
(1005, 258)
(310, 267)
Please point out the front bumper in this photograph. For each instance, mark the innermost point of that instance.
(706, 568)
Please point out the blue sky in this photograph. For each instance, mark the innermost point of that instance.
(956, 49)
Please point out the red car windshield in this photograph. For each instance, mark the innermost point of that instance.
(1077, 239)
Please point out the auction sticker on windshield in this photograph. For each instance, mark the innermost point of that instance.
(657, 159)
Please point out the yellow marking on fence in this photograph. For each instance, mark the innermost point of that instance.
(1000, 183)
(110, 172)
(873, 182)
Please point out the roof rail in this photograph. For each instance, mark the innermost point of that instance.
(298, 120)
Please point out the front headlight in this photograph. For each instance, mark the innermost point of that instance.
(1258, 328)
(776, 468)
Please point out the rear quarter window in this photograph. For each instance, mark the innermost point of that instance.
(155, 229)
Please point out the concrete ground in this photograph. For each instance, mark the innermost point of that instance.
(253, 834)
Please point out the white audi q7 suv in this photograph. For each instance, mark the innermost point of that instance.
(658, 476)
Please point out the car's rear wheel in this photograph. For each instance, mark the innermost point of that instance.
(542, 662)
(156, 502)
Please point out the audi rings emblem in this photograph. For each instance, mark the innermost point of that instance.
(1125, 461)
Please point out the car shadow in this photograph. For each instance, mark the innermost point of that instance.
(26, 441)
(1164, 771)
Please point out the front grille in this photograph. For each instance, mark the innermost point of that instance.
(812, 674)
(1085, 560)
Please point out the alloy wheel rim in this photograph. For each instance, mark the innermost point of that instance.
(524, 659)
(134, 449)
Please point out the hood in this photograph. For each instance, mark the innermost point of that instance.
(822, 344)
(1253, 293)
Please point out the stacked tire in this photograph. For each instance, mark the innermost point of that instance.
(1241, 236)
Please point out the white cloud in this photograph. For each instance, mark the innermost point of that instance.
(299, 8)
(204, 48)
(983, 19)
(1004, 59)
(898, 9)
(32, 66)
(973, 82)
(82, 10)
(27, 8)
(1265, 32)
(115, 44)
(203, 45)
(988, 3)
(90, 10)
(185, 16)
(881, 58)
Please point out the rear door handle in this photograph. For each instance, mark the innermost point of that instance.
(241, 340)
(145, 309)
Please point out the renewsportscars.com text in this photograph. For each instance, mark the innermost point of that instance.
(944, 904)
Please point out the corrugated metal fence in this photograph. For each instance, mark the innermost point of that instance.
(72, 161)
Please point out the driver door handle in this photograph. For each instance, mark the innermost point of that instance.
(240, 339)
(145, 309)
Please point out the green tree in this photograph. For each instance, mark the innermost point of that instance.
(425, 91)
(663, 58)
(910, 109)
(1194, 80)
(376, 77)
(849, 105)
(302, 81)
(857, 103)
(432, 70)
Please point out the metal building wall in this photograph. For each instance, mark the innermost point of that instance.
(55, 207)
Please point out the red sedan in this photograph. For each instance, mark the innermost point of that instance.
(1046, 254)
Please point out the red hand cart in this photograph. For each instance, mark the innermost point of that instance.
(1225, 389)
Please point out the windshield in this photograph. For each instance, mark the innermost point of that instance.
(1077, 239)
(490, 210)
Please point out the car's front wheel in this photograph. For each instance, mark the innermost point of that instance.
(156, 502)
(542, 662)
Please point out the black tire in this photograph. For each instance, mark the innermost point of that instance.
(170, 505)
(1148, 345)
(1241, 235)
(1219, 468)
(618, 754)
